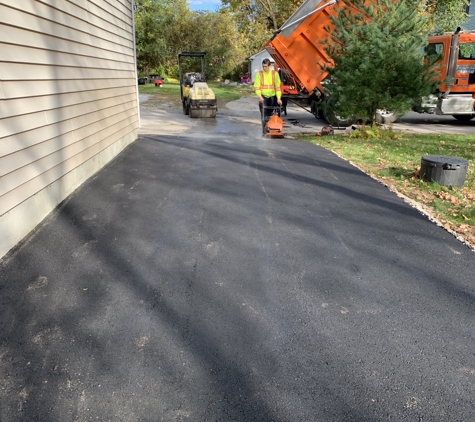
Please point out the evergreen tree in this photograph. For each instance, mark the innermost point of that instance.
(377, 49)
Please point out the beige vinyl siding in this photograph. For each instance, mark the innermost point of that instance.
(68, 101)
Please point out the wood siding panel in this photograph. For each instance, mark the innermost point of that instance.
(68, 94)
(20, 194)
(100, 109)
(23, 158)
(82, 33)
(41, 10)
(99, 48)
(12, 89)
(107, 14)
(24, 140)
(47, 162)
(29, 72)
(96, 25)
(28, 54)
(121, 11)
(41, 27)
(24, 106)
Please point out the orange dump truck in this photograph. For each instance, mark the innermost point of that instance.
(298, 51)
(456, 69)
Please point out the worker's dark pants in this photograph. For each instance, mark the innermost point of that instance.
(268, 107)
(284, 104)
(268, 102)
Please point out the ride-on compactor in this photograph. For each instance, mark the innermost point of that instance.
(197, 97)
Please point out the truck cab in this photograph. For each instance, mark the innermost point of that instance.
(455, 55)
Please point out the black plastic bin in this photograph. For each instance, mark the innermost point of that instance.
(444, 170)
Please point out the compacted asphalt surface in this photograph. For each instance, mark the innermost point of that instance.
(209, 274)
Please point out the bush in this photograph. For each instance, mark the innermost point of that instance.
(234, 74)
(374, 132)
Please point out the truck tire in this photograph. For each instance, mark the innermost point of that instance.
(332, 118)
(316, 110)
(464, 117)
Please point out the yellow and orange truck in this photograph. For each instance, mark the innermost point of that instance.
(299, 52)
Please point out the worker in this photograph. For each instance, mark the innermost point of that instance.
(267, 88)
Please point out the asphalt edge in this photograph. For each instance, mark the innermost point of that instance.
(421, 208)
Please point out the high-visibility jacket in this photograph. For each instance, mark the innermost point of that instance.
(267, 84)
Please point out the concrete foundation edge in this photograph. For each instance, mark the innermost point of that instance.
(21, 220)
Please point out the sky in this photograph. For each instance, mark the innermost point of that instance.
(210, 5)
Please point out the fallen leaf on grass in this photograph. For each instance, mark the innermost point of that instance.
(464, 228)
(447, 197)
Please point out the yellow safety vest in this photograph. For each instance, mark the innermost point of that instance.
(267, 84)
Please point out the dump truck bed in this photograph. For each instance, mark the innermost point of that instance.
(298, 47)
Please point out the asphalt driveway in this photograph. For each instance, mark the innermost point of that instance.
(208, 274)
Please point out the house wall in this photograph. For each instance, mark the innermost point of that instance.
(470, 25)
(255, 62)
(68, 102)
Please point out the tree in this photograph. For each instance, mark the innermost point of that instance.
(446, 15)
(271, 13)
(162, 28)
(150, 45)
(216, 34)
(257, 20)
(166, 27)
(376, 50)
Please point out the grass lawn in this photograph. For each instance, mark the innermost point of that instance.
(394, 159)
(170, 92)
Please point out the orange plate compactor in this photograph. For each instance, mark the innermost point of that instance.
(273, 126)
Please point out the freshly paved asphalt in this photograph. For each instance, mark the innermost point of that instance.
(208, 274)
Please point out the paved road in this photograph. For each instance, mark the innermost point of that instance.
(207, 274)
(431, 123)
(298, 121)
